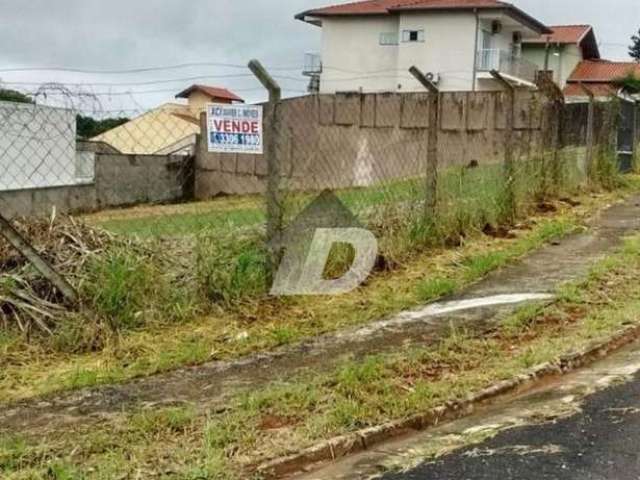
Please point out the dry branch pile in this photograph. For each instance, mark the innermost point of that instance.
(26, 299)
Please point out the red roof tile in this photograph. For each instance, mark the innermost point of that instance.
(374, 7)
(384, 7)
(435, 4)
(598, 89)
(602, 71)
(213, 92)
(370, 7)
(563, 34)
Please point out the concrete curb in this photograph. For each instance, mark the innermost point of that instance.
(349, 444)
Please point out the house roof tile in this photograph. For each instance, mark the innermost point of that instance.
(602, 71)
(373, 7)
(597, 89)
(583, 36)
(565, 34)
(385, 7)
(213, 92)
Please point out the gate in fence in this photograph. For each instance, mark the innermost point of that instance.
(626, 135)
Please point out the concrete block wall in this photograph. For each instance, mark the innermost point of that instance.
(120, 180)
(123, 180)
(352, 139)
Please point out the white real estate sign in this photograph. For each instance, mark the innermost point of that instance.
(235, 128)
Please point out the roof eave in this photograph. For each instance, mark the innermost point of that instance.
(307, 17)
(527, 19)
(590, 34)
(185, 93)
(195, 88)
(314, 17)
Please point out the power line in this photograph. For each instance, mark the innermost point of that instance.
(152, 82)
(132, 93)
(136, 70)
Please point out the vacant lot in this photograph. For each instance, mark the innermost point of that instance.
(176, 285)
(475, 193)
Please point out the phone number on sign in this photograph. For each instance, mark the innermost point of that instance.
(235, 139)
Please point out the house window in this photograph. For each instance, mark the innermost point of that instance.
(389, 38)
(413, 36)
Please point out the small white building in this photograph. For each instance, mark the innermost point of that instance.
(38, 148)
(369, 46)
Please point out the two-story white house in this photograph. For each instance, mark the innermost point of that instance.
(369, 46)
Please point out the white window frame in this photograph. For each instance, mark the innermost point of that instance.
(388, 39)
(406, 36)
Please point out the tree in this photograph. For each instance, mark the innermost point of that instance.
(14, 96)
(630, 82)
(634, 49)
(89, 127)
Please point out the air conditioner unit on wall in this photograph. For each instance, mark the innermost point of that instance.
(433, 77)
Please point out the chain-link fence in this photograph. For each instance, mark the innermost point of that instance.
(159, 218)
(419, 178)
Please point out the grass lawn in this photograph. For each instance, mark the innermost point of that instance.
(458, 188)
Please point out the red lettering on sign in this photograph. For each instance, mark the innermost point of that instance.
(237, 126)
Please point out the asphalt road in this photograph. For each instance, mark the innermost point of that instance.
(602, 442)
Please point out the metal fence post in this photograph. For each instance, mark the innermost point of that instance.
(509, 147)
(273, 193)
(431, 200)
(554, 93)
(590, 131)
(558, 143)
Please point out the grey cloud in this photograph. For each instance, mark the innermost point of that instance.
(116, 34)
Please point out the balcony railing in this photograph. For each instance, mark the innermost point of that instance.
(505, 62)
(312, 64)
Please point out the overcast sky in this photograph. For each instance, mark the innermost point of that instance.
(129, 34)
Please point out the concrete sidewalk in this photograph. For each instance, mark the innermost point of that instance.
(581, 426)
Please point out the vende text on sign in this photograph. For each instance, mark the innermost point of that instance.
(234, 128)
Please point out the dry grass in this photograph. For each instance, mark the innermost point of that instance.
(291, 413)
(28, 301)
(31, 369)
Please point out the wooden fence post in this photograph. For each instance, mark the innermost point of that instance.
(431, 196)
(509, 147)
(272, 131)
(47, 271)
